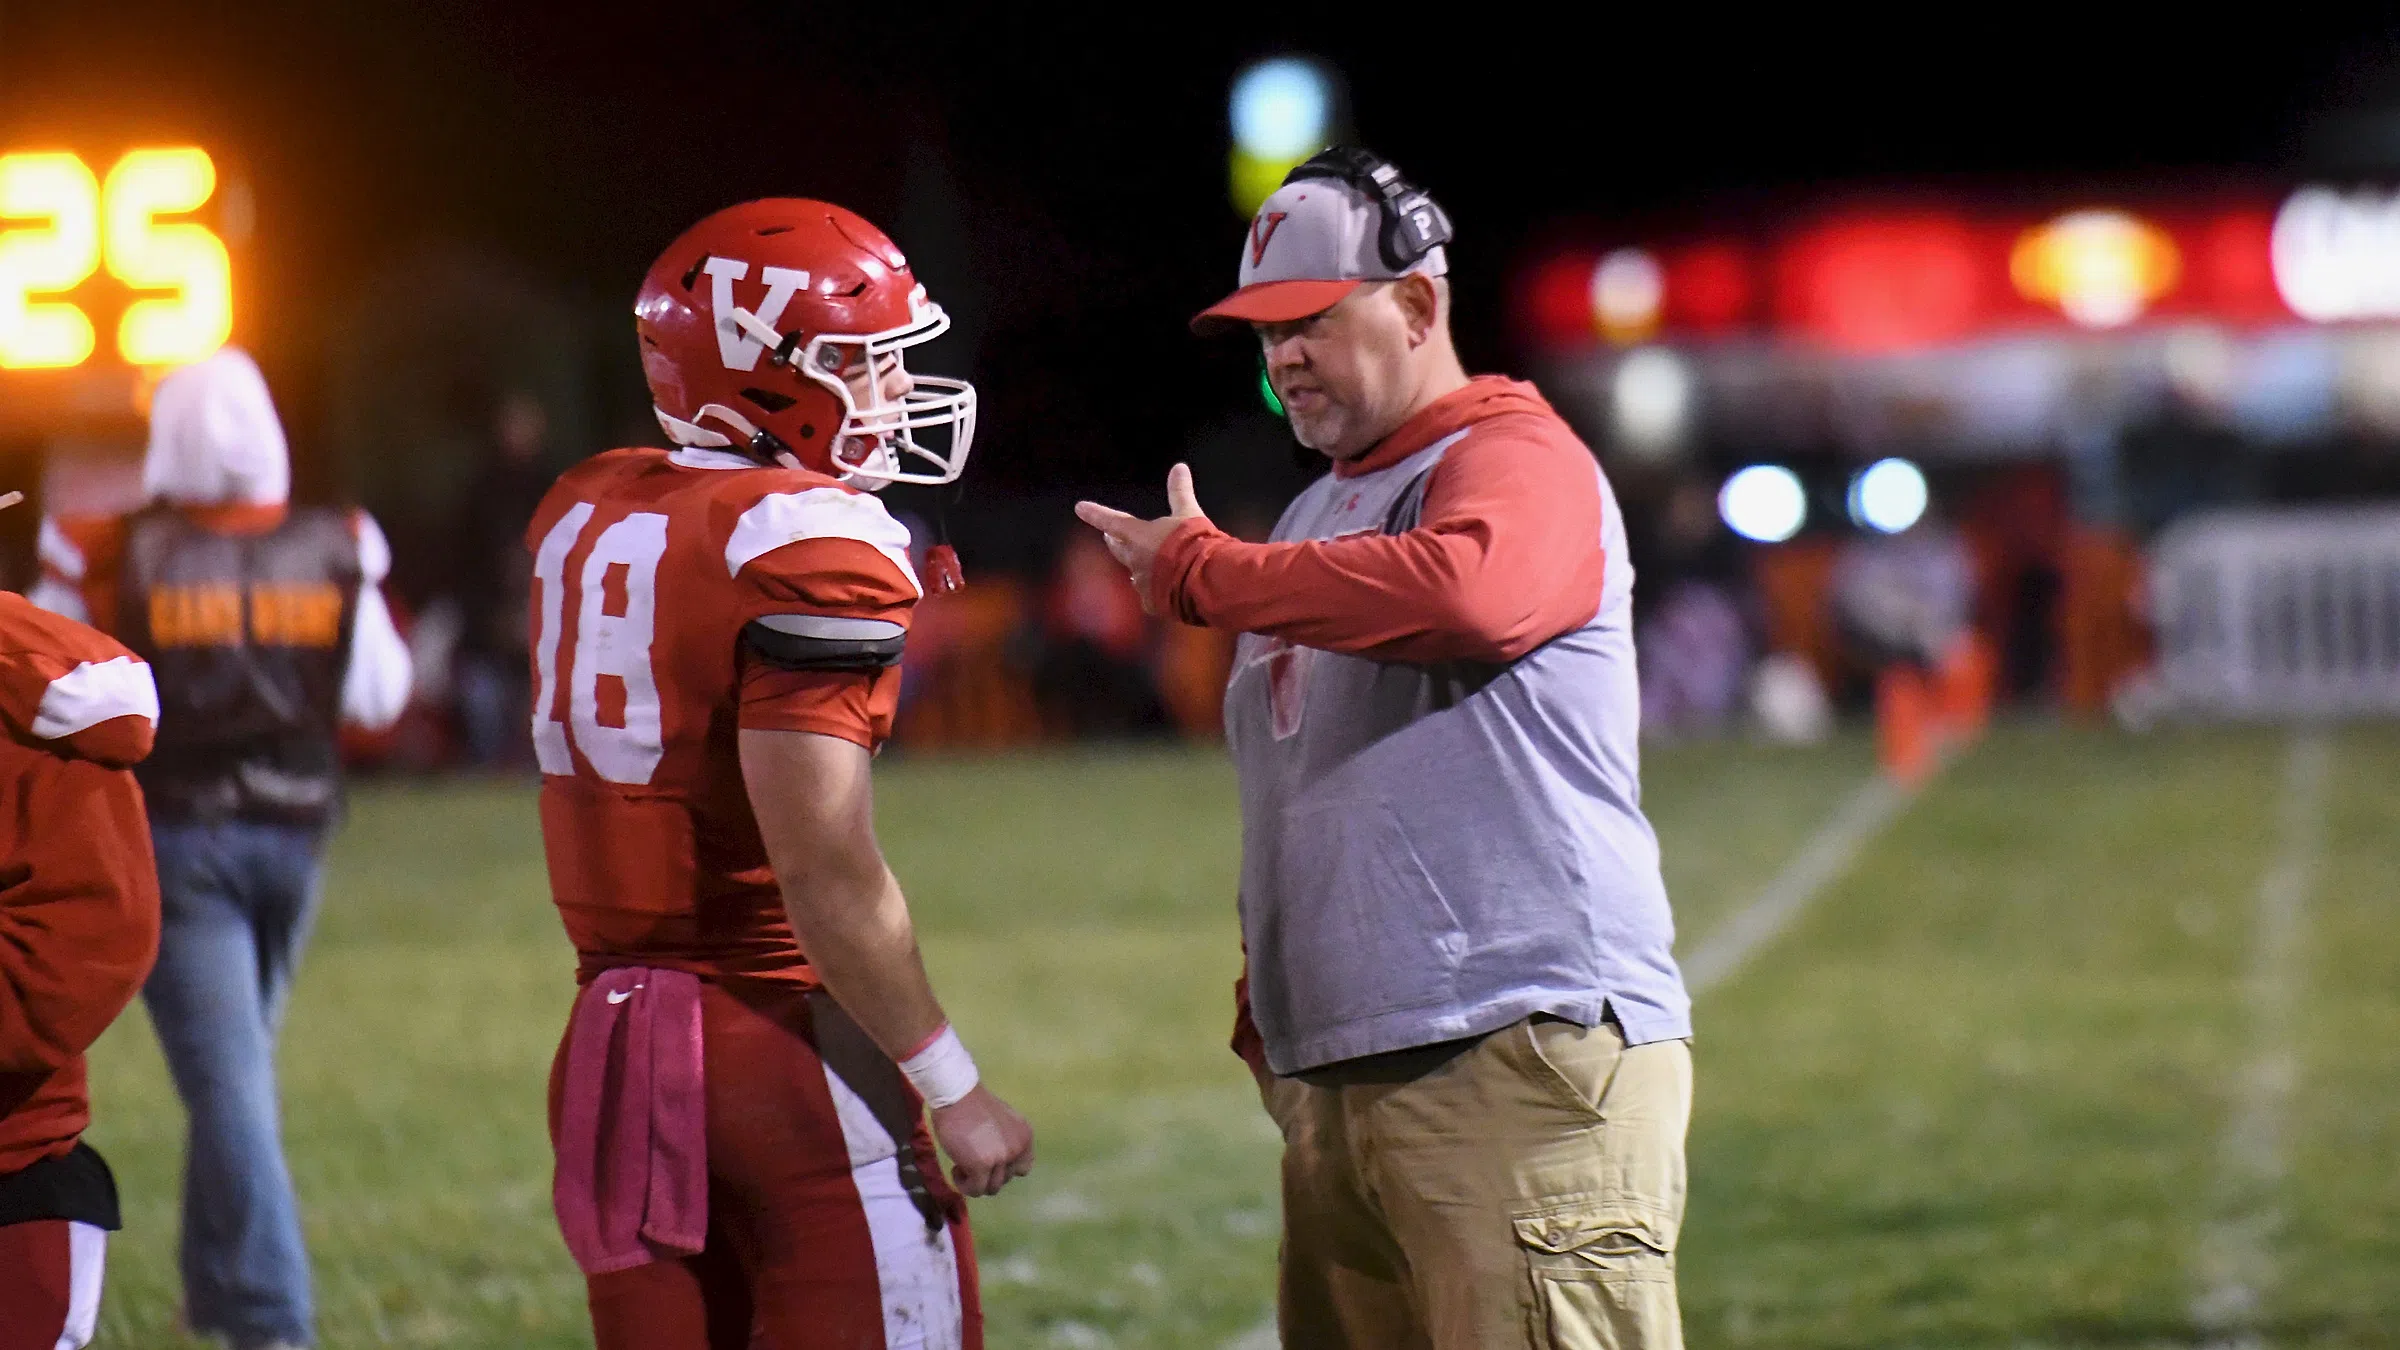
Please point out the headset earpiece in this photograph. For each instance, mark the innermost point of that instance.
(1413, 223)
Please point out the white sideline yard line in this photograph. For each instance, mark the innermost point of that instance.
(1868, 810)
(2233, 1265)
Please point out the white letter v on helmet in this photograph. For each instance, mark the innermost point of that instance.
(739, 349)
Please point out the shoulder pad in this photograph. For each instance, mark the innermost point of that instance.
(823, 511)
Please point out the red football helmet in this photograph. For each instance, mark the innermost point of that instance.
(750, 322)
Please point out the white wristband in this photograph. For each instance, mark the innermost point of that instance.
(943, 1073)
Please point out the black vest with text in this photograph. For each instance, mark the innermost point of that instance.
(248, 637)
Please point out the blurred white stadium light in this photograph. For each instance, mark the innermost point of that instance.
(2336, 255)
(1280, 107)
(1650, 398)
(1888, 495)
(1628, 288)
(1283, 110)
(1764, 503)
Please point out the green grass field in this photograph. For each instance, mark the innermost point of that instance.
(1975, 1096)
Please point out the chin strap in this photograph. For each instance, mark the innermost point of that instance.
(757, 442)
(943, 575)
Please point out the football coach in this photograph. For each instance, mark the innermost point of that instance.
(1460, 1001)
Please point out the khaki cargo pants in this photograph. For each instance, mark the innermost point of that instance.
(1526, 1193)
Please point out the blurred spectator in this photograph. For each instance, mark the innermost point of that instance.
(2017, 520)
(265, 626)
(1902, 597)
(493, 685)
(1693, 643)
(1094, 673)
(1694, 657)
(1688, 542)
(1902, 607)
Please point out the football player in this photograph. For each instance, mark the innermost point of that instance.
(739, 1104)
(79, 922)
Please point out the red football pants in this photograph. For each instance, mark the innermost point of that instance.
(49, 1283)
(830, 1225)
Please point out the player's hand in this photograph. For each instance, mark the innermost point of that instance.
(989, 1144)
(1134, 541)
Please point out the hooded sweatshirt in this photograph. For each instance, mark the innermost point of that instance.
(1434, 717)
(218, 562)
(217, 453)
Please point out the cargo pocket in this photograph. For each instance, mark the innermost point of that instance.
(1603, 1276)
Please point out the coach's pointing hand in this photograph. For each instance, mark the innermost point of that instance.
(1136, 541)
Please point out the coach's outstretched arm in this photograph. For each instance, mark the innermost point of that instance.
(815, 802)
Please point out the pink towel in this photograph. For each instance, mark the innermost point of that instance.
(632, 1181)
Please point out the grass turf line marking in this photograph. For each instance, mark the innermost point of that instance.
(1827, 854)
(2234, 1263)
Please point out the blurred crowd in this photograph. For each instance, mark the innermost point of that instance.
(1052, 645)
(1995, 583)
(1059, 650)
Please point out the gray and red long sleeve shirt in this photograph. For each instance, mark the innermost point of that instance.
(1434, 716)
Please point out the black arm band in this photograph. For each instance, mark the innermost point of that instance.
(818, 642)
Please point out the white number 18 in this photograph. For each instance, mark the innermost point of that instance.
(613, 645)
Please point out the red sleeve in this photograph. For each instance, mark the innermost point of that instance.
(827, 577)
(1508, 557)
(78, 913)
(70, 690)
(846, 705)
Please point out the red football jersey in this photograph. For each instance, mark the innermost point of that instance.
(78, 889)
(648, 564)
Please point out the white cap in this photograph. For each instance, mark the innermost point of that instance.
(1312, 243)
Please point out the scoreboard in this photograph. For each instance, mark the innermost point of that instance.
(111, 272)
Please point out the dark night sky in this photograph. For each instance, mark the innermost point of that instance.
(1086, 215)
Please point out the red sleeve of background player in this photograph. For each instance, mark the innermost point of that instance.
(1506, 558)
(78, 913)
(70, 690)
(860, 586)
(79, 894)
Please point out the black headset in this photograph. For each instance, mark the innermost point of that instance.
(1414, 224)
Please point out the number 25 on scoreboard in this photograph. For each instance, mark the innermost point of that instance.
(57, 224)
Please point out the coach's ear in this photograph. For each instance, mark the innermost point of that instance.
(1419, 300)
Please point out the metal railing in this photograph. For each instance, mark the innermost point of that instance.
(2272, 614)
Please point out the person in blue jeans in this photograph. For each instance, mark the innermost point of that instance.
(265, 628)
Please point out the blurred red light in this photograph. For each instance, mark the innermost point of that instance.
(1882, 282)
(1710, 288)
(1558, 301)
(2235, 269)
